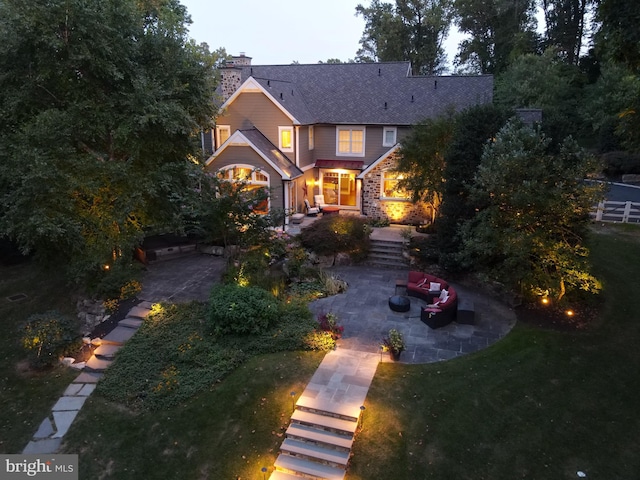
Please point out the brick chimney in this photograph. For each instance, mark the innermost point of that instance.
(231, 74)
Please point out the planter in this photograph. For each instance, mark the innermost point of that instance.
(395, 356)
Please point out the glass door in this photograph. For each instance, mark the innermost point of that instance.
(339, 188)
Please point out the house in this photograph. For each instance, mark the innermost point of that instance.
(330, 129)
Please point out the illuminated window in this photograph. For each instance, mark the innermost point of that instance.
(286, 138)
(255, 180)
(389, 135)
(390, 185)
(223, 132)
(312, 139)
(350, 141)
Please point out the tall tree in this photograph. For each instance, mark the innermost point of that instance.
(619, 37)
(547, 82)
(421, 161)
(100, 101)
(565, 25)
(474, 128)
(411, 30)
(534, 214)
(498, 30)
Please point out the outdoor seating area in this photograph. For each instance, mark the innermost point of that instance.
(441, 298)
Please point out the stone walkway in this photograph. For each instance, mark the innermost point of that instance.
(340, 385)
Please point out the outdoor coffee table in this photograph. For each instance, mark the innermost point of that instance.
(330, 210)
(399, 303)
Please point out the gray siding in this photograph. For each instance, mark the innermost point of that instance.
(256, 110)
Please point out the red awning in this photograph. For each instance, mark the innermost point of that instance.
(345, 164)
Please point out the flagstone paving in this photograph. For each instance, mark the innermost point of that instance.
(328, 411)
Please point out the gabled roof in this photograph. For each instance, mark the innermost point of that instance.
(384, 156)
(366, 93)
(263, 147)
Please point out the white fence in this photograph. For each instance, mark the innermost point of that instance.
(623, 212)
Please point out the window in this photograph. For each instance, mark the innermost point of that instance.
(312, 139)
(286, 138)
(223, 132)
(350, 141)
(257, 182)
(389, 135)
(390, 185)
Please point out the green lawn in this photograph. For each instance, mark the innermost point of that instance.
(26, 397)
(539, 404)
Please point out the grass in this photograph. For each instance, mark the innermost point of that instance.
(26, 397)
(230, 431)
(539, 404)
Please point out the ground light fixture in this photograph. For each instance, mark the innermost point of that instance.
(293, 397)
(362, 409)
(264, 473)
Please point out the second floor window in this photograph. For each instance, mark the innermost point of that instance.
(223, 132)
(350, 141)
(286, 139)
(389, 135)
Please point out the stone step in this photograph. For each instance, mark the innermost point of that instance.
(139, 312)
(388, 263)
(88, 377)
(387, 257)
(297, 448)
(118, 336)
(324, 421)
(316, 435)
(130, 322)
(283, 476)
(334, 409)
(145, 304)
(96, 364)
(107, 351)
(288, 464)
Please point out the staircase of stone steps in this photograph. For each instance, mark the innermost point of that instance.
(104, 355)
(317, 445)
(388, 253)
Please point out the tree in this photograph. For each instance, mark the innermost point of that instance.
(231, 212)
(421, 161)
(474, 128)
(533, 214)
(547, 82)
(565, 24)
(499, 30)
(412, 30)
(618, 37)
(100, 101)
(608, 106)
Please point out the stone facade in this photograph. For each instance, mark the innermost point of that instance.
(231, 75)
(394, 210)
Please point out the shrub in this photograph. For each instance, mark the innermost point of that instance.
(328, 322)
(621, 163)
(338, 234)
(319, 340)
(241, 310)
(48, 336)
(120, 281)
